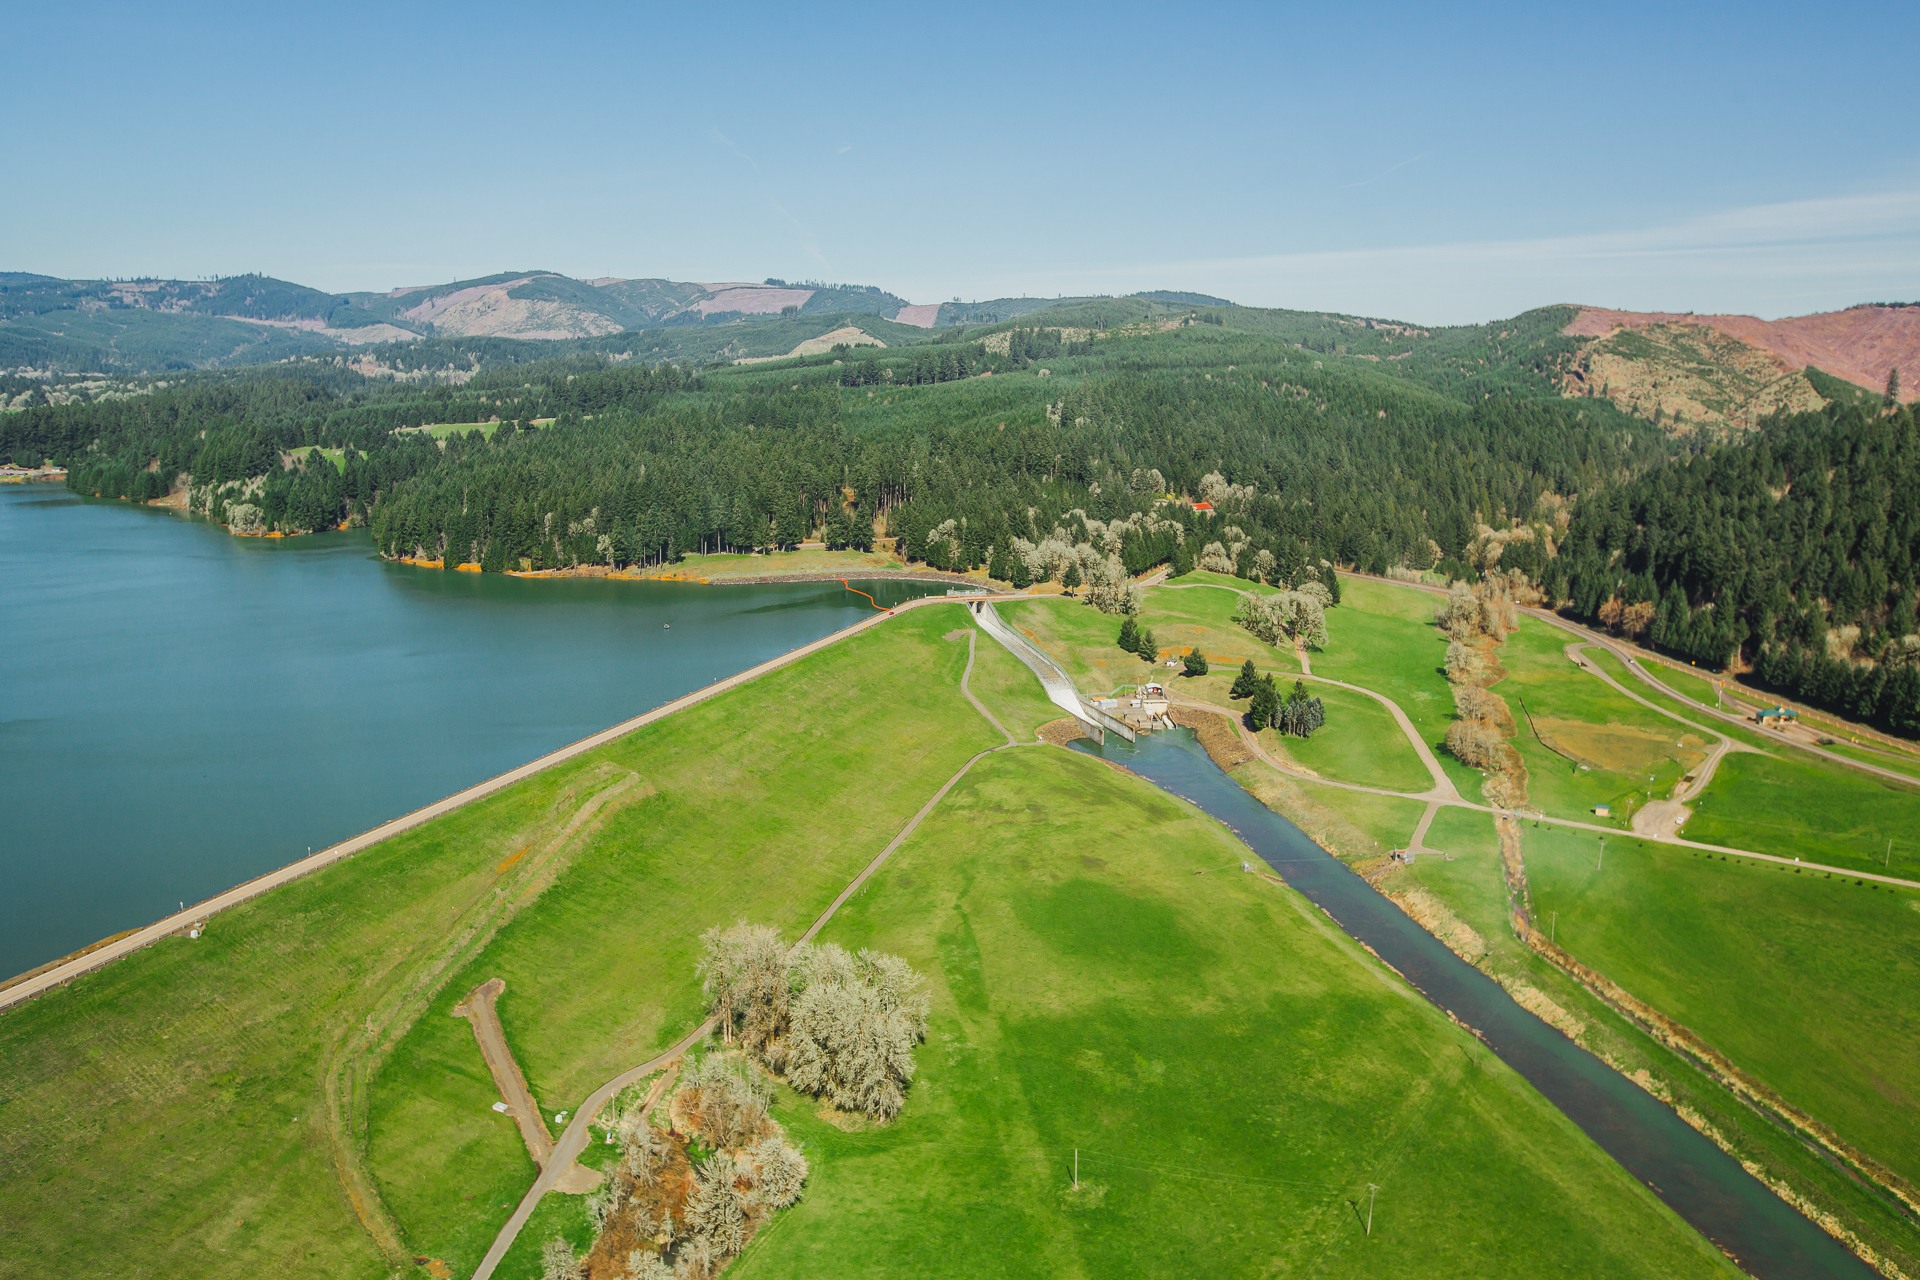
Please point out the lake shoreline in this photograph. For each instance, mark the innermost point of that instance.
(38, 981)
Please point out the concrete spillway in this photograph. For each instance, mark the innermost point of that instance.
(1061, 690)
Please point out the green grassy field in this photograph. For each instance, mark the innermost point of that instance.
(1360, 743)
(175, 1098)
(1201, 618)
(766, 813)
(1687, 684)
(1003, 683)
(1627, 750)
(1805, 980)
(1803, 807)
(1382, 637)
(1232, 1070)
(1899, 762)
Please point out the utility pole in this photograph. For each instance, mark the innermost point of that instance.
(1076, 1168)
(1371, 1192)
(1603, 854)
(1553, 929)
(1889, 853)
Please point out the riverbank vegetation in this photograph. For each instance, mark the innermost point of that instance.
(1650, 923)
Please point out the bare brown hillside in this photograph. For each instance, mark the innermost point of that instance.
(1860, 344)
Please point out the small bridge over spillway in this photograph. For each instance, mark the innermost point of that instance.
(1059, 685)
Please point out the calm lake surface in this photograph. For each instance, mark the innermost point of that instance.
(181, 710)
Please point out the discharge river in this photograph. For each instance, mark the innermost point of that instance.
(181, 710)
(1700, 1182)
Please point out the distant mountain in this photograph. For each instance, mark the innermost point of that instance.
(54, 325)
(1680, 371)
(1716, 370)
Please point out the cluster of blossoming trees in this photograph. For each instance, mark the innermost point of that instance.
(688, 1195)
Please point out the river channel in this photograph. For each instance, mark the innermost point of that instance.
(1704, 1185)
(181, 710)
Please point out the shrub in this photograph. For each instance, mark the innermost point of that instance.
(1475, 743)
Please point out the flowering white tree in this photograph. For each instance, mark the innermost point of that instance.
(854, 1025)
(1294, 615)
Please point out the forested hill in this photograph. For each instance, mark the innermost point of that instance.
(1323, 457)
(1026, 448)
(1792, 549)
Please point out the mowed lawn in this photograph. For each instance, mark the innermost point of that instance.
(1799, 806)
(764, 805)
(1805, 979)
(1381, 637)
(1231, 1069)
(164, 1116)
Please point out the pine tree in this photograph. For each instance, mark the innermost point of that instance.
(1265, 701)
(1149, 649)
(1246, 682)
(1195, 663)
(1021, 577)
(1070, 580)
(1130, 635)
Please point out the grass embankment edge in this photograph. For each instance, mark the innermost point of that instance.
(88, 959)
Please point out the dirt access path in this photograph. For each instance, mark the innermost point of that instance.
(1660, 819)
(572, 1142)
(478, 1009)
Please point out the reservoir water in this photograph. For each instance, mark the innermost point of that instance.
(1700, 1182)
(181, 710)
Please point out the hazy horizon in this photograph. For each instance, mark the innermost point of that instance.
(1402, 162)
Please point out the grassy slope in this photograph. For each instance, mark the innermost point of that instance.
(1472, 888)
(1804, 980)
(1698, 687)
(1008, 689)
(768, 801)
(157, 1100)
(1232, 1070)
(1382, 637)
(1637, 743)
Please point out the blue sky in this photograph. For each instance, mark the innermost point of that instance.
(1431, 163)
